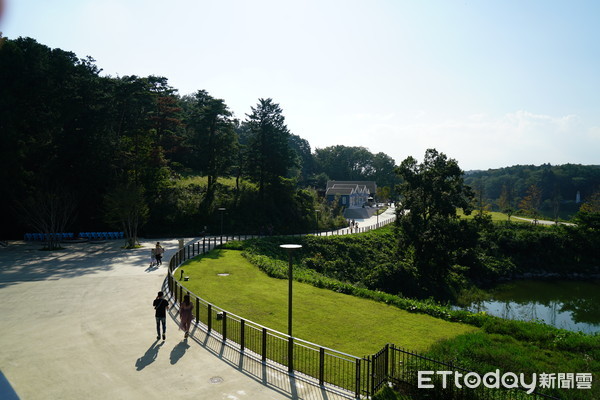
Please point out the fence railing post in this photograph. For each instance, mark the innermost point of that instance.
(387, 364)
(242, 334)
(264, 344)
(372, 374)
(291, 354)
(357, 386)
(209, 321)
(224, 325)
(321, 365)
(198, 309)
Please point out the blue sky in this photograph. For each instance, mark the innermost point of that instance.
(489, 83)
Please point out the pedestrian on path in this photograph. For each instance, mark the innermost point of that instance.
(185, 311)
(159, 251)
(153, 258)
(160, 305)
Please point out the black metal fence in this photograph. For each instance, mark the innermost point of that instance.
(403, 367)
(356, 376)
(323, 365)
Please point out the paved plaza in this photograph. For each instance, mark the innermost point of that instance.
(79, 324)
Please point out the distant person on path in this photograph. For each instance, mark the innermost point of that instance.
(160, 305)
(153, 258)
(185, 309)
(159, 250)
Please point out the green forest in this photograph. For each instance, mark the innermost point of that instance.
(556, 192)
(87, 152)
(113, 153)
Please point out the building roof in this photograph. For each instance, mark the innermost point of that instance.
(371, 185)
(339, 190)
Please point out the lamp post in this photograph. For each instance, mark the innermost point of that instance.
(222, 211)
(317, 221)
(290, 248)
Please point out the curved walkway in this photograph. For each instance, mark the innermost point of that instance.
(79, 323)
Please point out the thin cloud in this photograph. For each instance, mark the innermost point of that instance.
(480, 141)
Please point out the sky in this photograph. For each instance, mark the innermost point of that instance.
(489, 83)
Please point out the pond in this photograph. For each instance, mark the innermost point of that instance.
(572, 305)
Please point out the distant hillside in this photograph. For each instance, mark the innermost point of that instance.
(563, 187)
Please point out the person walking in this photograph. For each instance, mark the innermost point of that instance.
(153, 258)
(159, 251)
(185, 311)
(160, 305)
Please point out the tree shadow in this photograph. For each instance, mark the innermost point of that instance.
(178, 351)
(24, 262)
(148, 357)
(213, 253)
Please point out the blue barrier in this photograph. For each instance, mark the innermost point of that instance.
(38, 237)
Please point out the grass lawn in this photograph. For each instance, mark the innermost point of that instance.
(203, 181)
(342, 322)
(496, 216)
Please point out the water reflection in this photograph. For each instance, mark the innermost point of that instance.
(572, 305)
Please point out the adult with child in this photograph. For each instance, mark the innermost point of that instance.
(159, 251)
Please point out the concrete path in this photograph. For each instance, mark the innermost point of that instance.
(543, 222)
(386, 215)
(79, 324)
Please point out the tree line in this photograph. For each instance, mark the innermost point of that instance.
(108, 152)
(550, 191)
(433, 252)
(120, 151)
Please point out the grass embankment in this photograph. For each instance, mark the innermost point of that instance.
(511, 346)
(496, 216)
(202, 181)
(342, 322)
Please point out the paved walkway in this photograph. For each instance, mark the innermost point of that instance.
(543, 222)
(79, 324)
(386, 215)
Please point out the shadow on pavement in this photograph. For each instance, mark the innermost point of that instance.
(178, 351)
(148, 357)
(278, 380)
(25, 262)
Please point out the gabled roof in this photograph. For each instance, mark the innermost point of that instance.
(370, 185)
(339, 190)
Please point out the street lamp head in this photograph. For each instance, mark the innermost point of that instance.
(222, 209)
(290, 246)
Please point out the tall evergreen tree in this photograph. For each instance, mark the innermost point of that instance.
(268, 151)
(212, 136)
